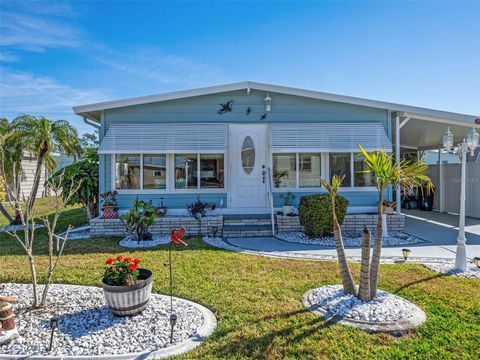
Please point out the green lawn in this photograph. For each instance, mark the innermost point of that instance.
(257, 301)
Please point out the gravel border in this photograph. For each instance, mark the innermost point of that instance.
(225, 245)
(14, 228)
(349, 240)
(79, 233)
(396, 327)
(206, 329)
(447, 268)
(128, 242)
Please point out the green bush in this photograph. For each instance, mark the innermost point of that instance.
(316, 214)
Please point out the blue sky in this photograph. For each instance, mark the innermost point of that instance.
(54, 55)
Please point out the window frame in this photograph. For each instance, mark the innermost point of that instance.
(170, 177)
(324, 172)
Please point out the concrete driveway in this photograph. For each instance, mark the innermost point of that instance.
(439, 232)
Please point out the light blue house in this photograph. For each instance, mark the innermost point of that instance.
(228, 144)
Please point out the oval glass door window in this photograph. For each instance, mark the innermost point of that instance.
(248, 155)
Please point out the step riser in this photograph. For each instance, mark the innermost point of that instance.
(247, 234)
(246, 222)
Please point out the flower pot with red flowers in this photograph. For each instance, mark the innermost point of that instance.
(109, 205)
(126, 287)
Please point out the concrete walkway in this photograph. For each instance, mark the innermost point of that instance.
(439, 232)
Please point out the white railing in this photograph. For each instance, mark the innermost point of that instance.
(270, 198)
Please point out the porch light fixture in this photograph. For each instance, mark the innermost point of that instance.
(470, 143)
(406, 253)
(472, 140)
(448, 139)
(268, 103)
(476, 260)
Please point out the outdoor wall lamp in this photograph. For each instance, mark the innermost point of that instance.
(469, 143)
(476, 260)
(268, 103)
(406, 253)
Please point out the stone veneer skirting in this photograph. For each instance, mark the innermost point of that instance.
(163, 226)
(353, 224)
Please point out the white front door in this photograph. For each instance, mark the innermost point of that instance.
(248, 166)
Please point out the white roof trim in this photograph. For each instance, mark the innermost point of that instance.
(91, 109)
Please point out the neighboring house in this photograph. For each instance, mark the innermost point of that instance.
(222, 142)
(29, 165)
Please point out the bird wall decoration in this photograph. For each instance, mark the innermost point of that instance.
(224, 108)
(249, 110)
(263, 116)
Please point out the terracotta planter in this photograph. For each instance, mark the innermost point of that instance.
(109, 212)
(129, 300)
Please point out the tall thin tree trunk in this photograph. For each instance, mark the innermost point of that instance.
(377, 250)
(347, 279)
(364, 289)
(34, 280)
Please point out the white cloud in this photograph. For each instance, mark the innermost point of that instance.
(37, 28)
(7, 56)
(164, 69)
(23, 92)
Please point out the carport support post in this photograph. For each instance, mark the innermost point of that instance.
(397, 159)
(461, 255)
(440, 181)
(398, 126)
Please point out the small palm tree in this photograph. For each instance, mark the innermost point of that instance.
(347, 279)
(41, 137)
(387, 173)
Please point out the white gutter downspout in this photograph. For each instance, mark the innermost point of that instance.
(89, 122)
(398, 126)
(440, 181)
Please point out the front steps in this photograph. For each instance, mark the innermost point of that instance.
(255, 225)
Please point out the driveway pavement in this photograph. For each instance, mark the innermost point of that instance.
(439, 232)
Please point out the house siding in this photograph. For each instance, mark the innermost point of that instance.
(201, 109)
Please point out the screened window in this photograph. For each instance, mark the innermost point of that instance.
(284, 170)
(340, 165)
(211, 171)
(309, 168)
(154, 171)
(186, 167)
(127, 171)
(360, 178)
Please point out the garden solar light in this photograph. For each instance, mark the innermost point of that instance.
(214, 231)
(53, 325)
(406, 253)
(476, 260)
(173, 321)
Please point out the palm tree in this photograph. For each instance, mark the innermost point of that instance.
(387, 173)
(10, 160)
(347, 279)
(41, 137)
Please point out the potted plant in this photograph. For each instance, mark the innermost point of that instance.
(162, 210)
(126, 287)
(198, 209)
(278, 175)
(388, 207)
(139, 219)
(109, 205)
(287, 207)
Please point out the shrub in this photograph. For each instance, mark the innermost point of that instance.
(2, 191)
(316, 214)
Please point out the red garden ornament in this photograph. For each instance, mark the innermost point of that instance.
(175, 239)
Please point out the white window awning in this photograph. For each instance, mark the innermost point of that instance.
(328, 137)
(185, 138)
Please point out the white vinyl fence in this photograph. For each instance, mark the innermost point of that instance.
(447, 195)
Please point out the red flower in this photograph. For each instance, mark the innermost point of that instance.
(128, 260)
(132, 267)
(109, 261)
(119, 257)
(137, 261)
